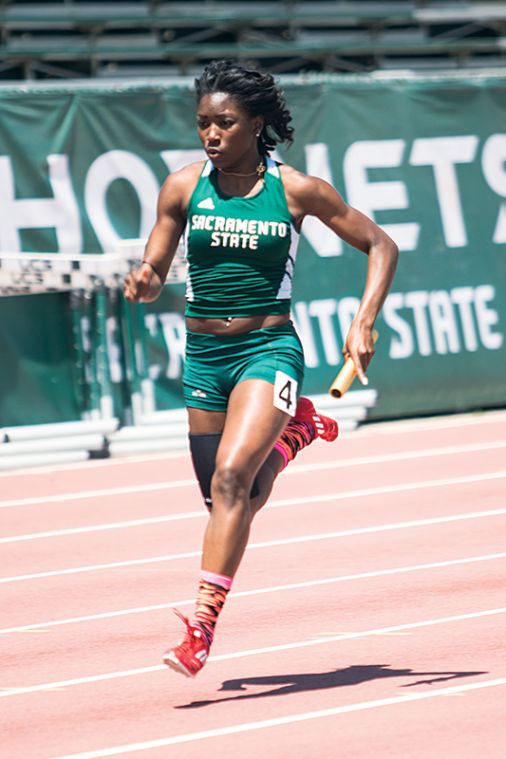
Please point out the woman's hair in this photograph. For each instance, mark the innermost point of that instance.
(256, 92)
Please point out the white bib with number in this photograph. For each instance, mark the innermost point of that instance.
(285, 393)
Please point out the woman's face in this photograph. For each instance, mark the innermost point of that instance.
(227, 132)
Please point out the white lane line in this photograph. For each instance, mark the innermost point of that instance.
(100, 567)
(92, 465)
(381, 528)
(300, 469)
(453, 450)
(293, 470)
(255, 651)
(105, 526)
(102, 493)
(260, 591)
(174, 517)
(468, 479)
(399, 427)
(434, 423)
(274, 504)
(191, 554)
(339, 496)
(278, 721)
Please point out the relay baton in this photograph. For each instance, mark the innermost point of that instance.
(346, 376)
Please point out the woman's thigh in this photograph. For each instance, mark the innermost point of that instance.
(205, 422)
(252, 426)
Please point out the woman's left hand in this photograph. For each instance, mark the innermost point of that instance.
(359, 345)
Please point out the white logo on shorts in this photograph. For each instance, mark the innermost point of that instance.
(199, 394)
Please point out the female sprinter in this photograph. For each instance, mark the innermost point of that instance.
(244, 364)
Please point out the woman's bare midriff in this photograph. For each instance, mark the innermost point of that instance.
(234, 325)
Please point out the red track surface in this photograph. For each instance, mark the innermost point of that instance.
(368, 617)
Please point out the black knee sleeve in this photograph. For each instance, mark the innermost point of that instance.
(203, 448)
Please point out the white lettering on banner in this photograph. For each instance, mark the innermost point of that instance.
(487, 317)
(493, 162)
(417, 301)
(346, 311)
(369, 197)
(463, 299)
(119, 164)
(444, 324)
(325, 242)
(173, 329)
(323, 310)
(60, 212)
(402, 344)
(442, 153)
(423, 323)
(446, 315)
(302, 323)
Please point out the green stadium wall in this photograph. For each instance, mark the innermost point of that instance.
(425, 157)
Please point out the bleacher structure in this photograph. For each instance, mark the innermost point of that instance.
(83, 38)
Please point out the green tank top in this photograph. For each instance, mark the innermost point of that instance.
(240, 252)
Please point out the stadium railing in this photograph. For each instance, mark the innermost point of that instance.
(194, 32)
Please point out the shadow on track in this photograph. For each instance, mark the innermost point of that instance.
(283, 685)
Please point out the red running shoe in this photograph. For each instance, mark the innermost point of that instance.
(324, 426)
(190, 655)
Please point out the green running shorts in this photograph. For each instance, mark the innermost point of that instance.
(214, 365)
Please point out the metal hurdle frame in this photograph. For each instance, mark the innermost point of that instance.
(94, 283)
(91, 281)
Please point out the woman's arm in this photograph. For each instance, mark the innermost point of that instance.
(146, 283)
(315, 197)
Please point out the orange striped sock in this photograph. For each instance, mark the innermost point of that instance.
(210, 600)
(296, 436)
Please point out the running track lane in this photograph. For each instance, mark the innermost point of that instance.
(368, 616)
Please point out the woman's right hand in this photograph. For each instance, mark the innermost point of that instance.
(142, 285)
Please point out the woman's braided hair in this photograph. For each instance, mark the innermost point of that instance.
(256, 92)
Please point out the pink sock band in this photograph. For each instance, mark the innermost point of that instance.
(222, 580)
(280, 448)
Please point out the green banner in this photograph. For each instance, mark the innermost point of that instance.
(81, 167)
(38, 379)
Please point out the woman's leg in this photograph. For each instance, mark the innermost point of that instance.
(206, 432)
(249, 430)
(252, 427)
